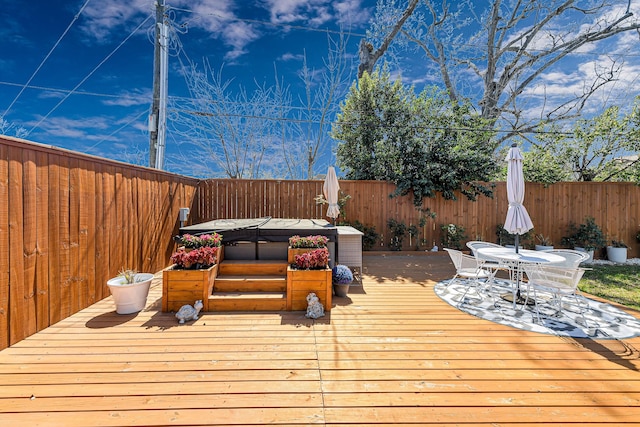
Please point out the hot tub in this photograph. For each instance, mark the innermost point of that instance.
(263, 238)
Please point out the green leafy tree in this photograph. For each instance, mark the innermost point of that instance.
(603, 148)
(424, 144)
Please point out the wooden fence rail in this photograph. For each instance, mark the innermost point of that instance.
(69, 222)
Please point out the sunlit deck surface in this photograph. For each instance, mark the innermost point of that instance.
(391, 354)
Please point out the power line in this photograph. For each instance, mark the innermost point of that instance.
(422, 128)
(77, 92)
(75, 18)
(117, 130)
(89, 75)
(269, 23)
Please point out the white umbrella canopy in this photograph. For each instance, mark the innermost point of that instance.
(518, 220)
(330, 190)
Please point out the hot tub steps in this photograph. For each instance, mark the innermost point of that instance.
(248, 301)
(250, 285)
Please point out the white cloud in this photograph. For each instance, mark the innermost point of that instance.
(74, 128)
(317, 12)
(128, 99)
(100, 20)
(351, 12)
(291, 57)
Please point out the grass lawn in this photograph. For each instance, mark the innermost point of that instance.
(619, 283)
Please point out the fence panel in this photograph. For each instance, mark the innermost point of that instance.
(614, 206)
(69, 222)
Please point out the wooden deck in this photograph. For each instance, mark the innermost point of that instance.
(391, 354)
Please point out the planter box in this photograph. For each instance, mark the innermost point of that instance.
(180, 287)
(292, 252)
(301, 282)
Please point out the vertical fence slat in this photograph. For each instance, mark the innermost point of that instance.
(29, 233)
(66, 278)
(42, 241)
(4, 246)
(18, 309)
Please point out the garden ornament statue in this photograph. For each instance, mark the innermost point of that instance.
(314, 307)
(188, 312)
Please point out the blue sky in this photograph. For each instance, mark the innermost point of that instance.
(106, 60)
(90, 90)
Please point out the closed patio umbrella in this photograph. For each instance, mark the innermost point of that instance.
(330, 190)
(518, 221)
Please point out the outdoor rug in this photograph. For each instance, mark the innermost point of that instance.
(603, 321)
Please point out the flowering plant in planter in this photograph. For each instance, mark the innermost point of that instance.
(308, 241)
(205, 240)
(341, 275)
(200, 258)
(316, 259)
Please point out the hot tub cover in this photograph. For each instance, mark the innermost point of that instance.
(265, 229)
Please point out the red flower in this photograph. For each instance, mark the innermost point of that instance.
(203, 257)
(315, 259)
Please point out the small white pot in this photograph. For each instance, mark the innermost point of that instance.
(618, 255)
(130, 297)
(543, 248)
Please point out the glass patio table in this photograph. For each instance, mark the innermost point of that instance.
(514, 260)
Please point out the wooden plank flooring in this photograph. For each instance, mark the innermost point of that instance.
(391, 354)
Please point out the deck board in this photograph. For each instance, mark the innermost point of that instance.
(391, 354)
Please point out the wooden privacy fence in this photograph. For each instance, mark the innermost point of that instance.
(615, 207)
(69, 222)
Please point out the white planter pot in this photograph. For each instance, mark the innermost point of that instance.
(618, 255)
(130, 298)
(543, 248)
(590, 259)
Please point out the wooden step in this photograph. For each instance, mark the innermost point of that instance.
(253, 268)
(248, 301)
(250, 284)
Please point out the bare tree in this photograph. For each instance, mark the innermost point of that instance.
(261, 132)
(322, 91)
(519, 42)
(235, 131)
(368, 55)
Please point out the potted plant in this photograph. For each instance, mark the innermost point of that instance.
(342, 277)
(190, 241)
(193, 271)
(586, 237)
(309, 273)
(617, 251)
(545, 243)
(453, 236)
(299, 245)
(130, 290)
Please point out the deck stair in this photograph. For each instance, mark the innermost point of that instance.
(250, 285)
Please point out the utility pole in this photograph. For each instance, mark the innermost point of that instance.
(158, 117)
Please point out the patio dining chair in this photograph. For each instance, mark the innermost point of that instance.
(558, 281)
(573, 258)
(469, 268)
(488, 262)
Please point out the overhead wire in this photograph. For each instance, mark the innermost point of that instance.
(89, 75)
(118, 130)
(75, 18)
